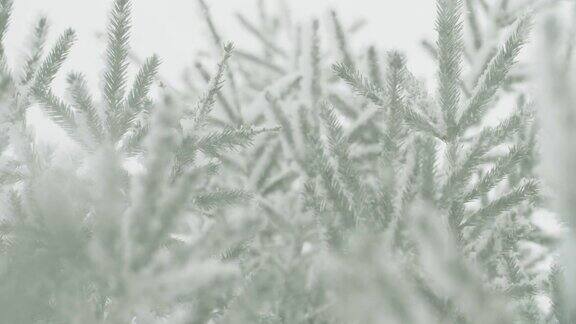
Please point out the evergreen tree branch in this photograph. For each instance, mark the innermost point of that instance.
(503, 167)
(141, 88)
(374, 66)
(83, 102)
(59, 112)
(206, 104)
(38, 41)
(495, 73)
(229, 139)
(487, 214)
(341, 40)
(268, 44)
(220, 198)
(450, 49)
(6, 7)
(115, 74)
(53, 62)
(315, 66)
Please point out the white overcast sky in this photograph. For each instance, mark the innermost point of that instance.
(172, 28)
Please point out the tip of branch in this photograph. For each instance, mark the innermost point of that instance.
(229, 47)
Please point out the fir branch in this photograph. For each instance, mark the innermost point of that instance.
(275, 216)
(267, 160)
(218, 44)
(219, 96)
(495, 73)
(297, 47)
(428, 165)
(115, 74)
(6, 7)
(283, 121)
(291, 88)
(229, 139)
(341, 40)
(377, 95)
(220, 198)
(561, 307)
(488, 138)
(83, 102)
(408, 186)
(206, 104)
(473, 24)
(141, 87)
(359, 83)
(363, 122)
(236, 117)
(268, 44)
(461, 174)
(260, 62)
(315, 66)
(520, 286)
(59, 112)
(342, 106)
(420, 122)
(280, 182)
(305, 128)
(132, 139)
(173, 205)
(198, 173)
(333, 186)
(234, 252)
(503, 167)
(340, 149)
(392, 138)
(216, 38)
(395, 102)
(329, 235)
(493, 136)
(450, 49)
(486, 214)
(38, 41)
(431, 49)
(53, 62)
(160, 144)
(374, 66)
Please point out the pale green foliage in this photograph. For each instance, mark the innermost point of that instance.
(304, 181)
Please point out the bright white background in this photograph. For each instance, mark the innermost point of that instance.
(173, 28)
